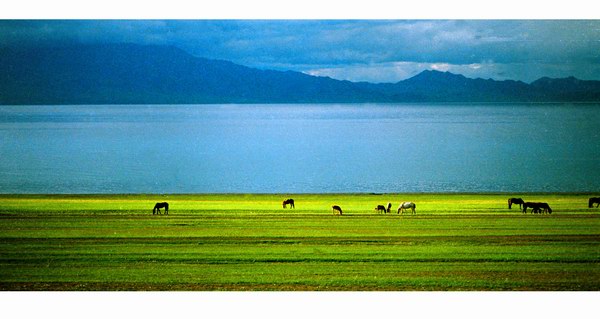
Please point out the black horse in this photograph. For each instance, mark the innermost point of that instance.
(529, 205)
(537, 208)
(289, 201)
(594, 200)
(389, 207)
(512, 201)
(381, 208)
(158, 206)
(336, 208)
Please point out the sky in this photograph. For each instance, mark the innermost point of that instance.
(373, 50)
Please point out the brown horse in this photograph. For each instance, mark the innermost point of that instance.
(158, 206)
(512, 201)
(289, 201)
(380, 208)
(594, 200)
(336, 208)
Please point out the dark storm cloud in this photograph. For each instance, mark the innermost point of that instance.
(374, 50)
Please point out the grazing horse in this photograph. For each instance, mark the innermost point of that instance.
(537, 208)
(389, 207)
(407, 205)
(546, 208)
(158, 206)
(515, 201)
(594, 200)
(529, 205)
(380, 208)
(289, 201)
(336, 208)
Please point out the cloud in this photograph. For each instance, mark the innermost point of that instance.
(369, 50)
(443, 67)
(375, 73)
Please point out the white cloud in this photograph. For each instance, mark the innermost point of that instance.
(440, 66)
(397, 71)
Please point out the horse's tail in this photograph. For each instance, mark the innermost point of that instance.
(509, 203)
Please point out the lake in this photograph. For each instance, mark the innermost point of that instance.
(300, 148)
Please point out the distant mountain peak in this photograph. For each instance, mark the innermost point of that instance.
(434, 75)
(140, 74)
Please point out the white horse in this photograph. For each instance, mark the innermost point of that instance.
(407, 205)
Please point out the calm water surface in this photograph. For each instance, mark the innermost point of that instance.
(300, 148)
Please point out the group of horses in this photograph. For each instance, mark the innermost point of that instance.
(536, 208)
(337, 210)
(540, 208)
(290, 201)
(401, 208)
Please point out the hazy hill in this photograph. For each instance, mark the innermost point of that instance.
(135, 74)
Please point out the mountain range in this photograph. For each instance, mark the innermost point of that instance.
(143, 74)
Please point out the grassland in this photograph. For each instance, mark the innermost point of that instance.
(248, 242)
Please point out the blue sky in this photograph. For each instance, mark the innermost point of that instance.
(356, 50)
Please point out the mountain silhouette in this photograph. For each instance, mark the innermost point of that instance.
(149, 74)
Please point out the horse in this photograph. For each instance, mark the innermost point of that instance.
(537, 208)
(336, 208)
(515, 201)
(389, 207)
(380, 208)
(158, 206)
(529, 205)
(594, 200)
(289, 201)
(407, 205)
(546, 208)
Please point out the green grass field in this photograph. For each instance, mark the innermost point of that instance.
(248, 242)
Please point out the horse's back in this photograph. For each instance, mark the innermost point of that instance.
(337, 208)
(408, 204)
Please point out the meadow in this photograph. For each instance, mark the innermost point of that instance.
(238, 242)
